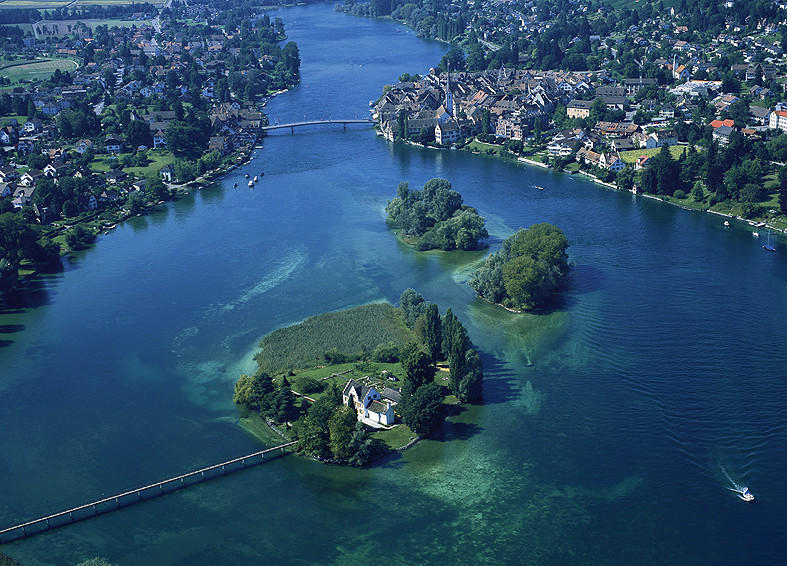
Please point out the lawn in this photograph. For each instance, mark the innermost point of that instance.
(159, 159)
(340, 374)
(19, 119)
(632, 156)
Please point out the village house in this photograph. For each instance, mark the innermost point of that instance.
(30, 177)
(447, 132)
(23, 196)
(83, 145)
(578, 108)
(369, 404)
(55, 169)
(113, 144)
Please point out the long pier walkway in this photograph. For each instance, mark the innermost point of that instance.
(113, 502)
(293, 125)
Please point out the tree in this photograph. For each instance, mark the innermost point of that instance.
(471, 383)
(155, 189)
(421, 410)
(412, 304)
(418, 368)
(433, 332)
(185, 171)
(625, 179)
(137, 133)
(341, 428)
(135, 202)
(79, 237)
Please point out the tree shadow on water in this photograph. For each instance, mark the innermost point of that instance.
(456, 431)
(501, 384)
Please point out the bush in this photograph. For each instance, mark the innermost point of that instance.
(679, 194)
(306, 385)
(79, 237)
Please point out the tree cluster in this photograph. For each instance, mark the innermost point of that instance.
(19, 240)
(529, 268)
(436, 217)
(331, 430)
(440, 338)
(260, 393)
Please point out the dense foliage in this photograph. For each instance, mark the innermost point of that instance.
(436, 217)
(526, 271)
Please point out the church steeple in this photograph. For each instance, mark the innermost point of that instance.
(449, 99)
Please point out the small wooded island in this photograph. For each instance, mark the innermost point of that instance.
(530, 267)
(353, 385)
(435, 217)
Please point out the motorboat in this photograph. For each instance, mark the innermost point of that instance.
(251, 184)
(235, 185)
(755, 234)
(247, 175)
(726, 222)
(255, 178)
(746, 495)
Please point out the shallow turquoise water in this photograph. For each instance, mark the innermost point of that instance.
(664, 362)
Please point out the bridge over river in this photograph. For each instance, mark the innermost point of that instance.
(293, 125)
(114, 502)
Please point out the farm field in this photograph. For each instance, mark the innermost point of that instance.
(18, 71)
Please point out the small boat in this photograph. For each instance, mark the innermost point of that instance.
(539, 188)
(251, 184)
(746, 495)
(262, 173)
(255, 178)
(768, 245)
(756, 234)
(247, 175)
(235, 185)
(727, 223)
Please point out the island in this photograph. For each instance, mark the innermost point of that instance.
(354, 385)
(527, 271)
(435, 217)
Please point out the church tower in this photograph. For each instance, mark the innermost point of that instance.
(449, 98)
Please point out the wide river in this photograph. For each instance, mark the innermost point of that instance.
(612, 427)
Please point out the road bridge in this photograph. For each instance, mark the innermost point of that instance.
(293, 125)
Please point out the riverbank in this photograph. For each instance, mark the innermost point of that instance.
(758, 222)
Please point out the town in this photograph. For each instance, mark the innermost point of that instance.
(653, 83)
(130, 115)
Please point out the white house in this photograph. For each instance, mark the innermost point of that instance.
(447, 132)
(368, 403)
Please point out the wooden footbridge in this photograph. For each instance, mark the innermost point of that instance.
(114, 502)
(293, 125)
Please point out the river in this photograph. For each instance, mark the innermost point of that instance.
(608, 423)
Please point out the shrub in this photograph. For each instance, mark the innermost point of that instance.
(679, 194)
(308, 385)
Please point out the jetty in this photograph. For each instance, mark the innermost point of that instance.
(132, 496)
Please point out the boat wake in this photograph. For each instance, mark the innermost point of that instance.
(741, 490)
